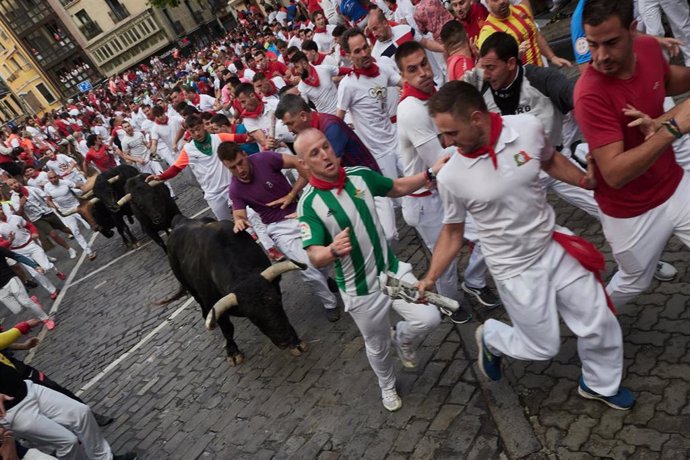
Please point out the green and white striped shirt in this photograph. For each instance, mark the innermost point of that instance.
(323, 214)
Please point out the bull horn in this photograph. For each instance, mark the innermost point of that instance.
(94, 200)
(125, 199)
(87, 195)
(154, 183)
(220, 307)
(274, 271)
(69, 212)
(114, 179)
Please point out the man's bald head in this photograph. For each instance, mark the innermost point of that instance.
(378, 25)
(316, 154)
(306, 138)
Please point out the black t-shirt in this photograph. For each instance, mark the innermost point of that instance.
(11, 383)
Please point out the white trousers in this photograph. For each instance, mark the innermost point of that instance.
(72, 222)
(558, 284)
(384, 206)
(681, 147)
(14, 296)
(51, 420)
(220, 205)
(154, 167)
(577, 196)
(678, 16)
(35, 252)
(370, 313)
(259, 229)
(288, 239)
(637, 242)
(425, 214)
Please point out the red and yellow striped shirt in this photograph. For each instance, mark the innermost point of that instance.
(521, 26)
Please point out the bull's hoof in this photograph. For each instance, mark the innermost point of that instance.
(236, 359)
(298, 349)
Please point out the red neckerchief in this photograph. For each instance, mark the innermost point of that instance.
(314, 121)
(496, 127)
(313, 78)
(372, 71)
(589, 257)
(114, 132)
(325, 185)
(319, 58)
(196, 99)
(393, 8)
(410, 91)
(163, 123)
(319, 30)
(257, 112)
(25, 191)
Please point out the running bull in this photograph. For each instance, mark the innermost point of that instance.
(152, 205)
(229, 275)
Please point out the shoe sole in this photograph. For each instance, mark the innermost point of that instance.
(588, 395)
(449, 314)
(479, 337)
(393, 409)
(478, 297)
(662, 278)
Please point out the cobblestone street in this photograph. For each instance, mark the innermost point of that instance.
(165, 379)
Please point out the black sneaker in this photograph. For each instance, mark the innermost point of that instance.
(333, 314)
(126, 456)
(460, 316)
(484, 296)
(103, 420)
(30, 284)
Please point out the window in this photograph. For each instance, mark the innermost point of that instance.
(14, 63)
(45, 92)
(83, 17)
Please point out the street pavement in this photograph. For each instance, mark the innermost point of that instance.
(165, 379)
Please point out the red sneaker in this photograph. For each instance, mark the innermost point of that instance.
(35, 299)
(61, 275)
(49, 324)
(54, 295)
(275, 254)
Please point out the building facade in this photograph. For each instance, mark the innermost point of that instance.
(48, 44)
(118, 34)
(24, 89)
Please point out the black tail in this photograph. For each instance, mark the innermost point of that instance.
(181, 292)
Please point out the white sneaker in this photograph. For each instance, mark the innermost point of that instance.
(406, 352)
(72, 253)
(391, 400)
(52, 259)
(665, 271)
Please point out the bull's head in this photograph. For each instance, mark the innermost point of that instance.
(230, 300)
(105, 191)
(150, 199)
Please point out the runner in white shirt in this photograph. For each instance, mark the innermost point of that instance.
(316, 57)
(21, 236)
(419, 150)
(61, 196)
(138, 151)
(539, 268)
(65, 167)
(322, 32)
(164, 132)
(35, 178)
(202, 102)
(80, 143)
(316, 84)
(258, 117)
(200, 155)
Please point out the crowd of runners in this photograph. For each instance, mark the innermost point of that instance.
(311, 125)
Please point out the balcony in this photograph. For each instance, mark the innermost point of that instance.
(12, 77)
(90, 29)
(118, 13)
(178, 28)
(197, 16)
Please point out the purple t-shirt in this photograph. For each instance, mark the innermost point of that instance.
(267, 184)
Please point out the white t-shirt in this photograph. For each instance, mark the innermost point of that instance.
(82, 147)
(166, 134)
(205, 104)
(367, 100)
(324, 40)
(514, 221)
(102, 131)
(60, 165)
(324, 96)
(135, 145)
(264, 122)
(213, 177)
(62, 194)
(38, 181)
(35, 205)
(400, 34)
(17, 225)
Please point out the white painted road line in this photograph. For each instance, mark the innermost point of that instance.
(140, 344)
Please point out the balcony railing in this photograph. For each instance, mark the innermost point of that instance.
(90, 29)
(118, 13)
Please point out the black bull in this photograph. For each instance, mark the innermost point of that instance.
(228, 274)
(152, 205)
